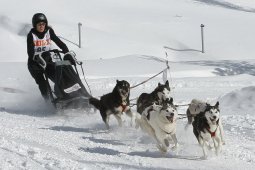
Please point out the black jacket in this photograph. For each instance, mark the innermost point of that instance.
(30, 43)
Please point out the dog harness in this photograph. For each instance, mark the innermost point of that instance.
(148, 113)
(123, 107)
(212, 133)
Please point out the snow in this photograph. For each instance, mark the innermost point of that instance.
(125, 39)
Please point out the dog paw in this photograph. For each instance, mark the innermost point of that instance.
(162, 149)
(175, 147)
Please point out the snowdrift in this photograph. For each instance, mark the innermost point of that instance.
(239, 101)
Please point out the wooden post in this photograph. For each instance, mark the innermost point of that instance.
(202, 37)
(79, 29)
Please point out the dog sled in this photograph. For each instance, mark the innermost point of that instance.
(65, 90)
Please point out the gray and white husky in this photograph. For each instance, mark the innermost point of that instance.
(159, 122)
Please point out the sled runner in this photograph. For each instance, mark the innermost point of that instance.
(65, 90)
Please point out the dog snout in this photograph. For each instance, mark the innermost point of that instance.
(214, 117)
(170, 118)
(124, 91)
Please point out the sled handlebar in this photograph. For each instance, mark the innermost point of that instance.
(71, 53)
(56, 51)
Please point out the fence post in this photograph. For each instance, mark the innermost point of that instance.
(79, 29)
(202, 37)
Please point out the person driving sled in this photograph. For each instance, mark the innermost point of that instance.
(39, 40)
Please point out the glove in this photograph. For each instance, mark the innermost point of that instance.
(70, 58)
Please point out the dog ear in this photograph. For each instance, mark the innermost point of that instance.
(167, 83)
(208, 106)
(117, 81)
(159, 84)
(153, 105)
(217, 104)
(171, 100)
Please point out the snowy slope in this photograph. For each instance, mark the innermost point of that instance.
(124, 39)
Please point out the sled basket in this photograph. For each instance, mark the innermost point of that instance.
(66, 89)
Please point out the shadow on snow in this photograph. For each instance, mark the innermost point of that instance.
(227, 67)
(227, 5)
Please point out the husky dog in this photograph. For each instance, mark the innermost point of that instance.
(196, 107)
(161, 93)
(114, 103)
(159, 121)
(207, 126)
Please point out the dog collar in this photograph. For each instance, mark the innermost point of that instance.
(123, 107)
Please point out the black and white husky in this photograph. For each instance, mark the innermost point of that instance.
(159, 122)
(197, 106)
(207, 127)
(161, 93)
(114, 103)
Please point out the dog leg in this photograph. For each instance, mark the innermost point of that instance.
(161, 148)
(118, 117)
(105, 118)
(137, 121)
(221, 132)
(162, 141)
(209, 145)
(146, 127)
(161, 145)
(166, 141)
(189, 116)
(107, 122)
(203, 145)
(217, 144)
(132, 115)
(175, 147)
(151, 132)
(143, 124)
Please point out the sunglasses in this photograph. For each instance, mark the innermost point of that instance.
(41, 24)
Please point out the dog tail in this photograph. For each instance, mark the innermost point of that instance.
(189, 116)
(95, 102)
